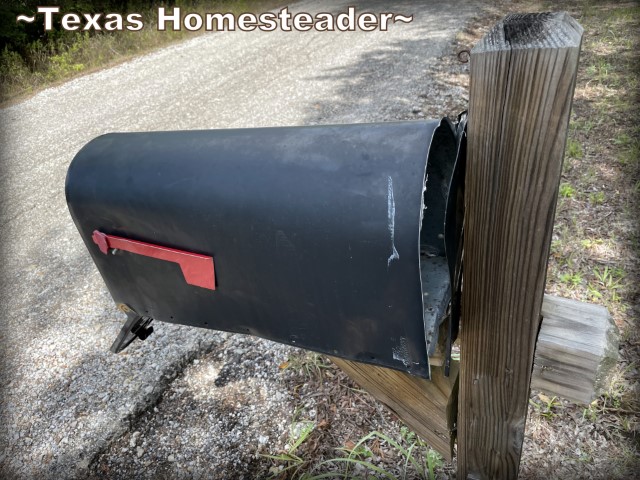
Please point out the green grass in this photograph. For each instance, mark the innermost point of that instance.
(596, 198)
(571, 279)
(574, 149)
(630, 156)
(567, 191)
(590, 243)
(583, 125)
(310, 365)
(288, 461)
(546, 406)
(419, 461)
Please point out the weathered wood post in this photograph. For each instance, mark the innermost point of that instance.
(522, 80)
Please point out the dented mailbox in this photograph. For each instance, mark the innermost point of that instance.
(322, 237)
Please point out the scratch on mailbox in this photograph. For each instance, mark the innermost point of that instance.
(401, 352)
(391, 215)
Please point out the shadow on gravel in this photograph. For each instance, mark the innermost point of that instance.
(404, 63)
(213, 420)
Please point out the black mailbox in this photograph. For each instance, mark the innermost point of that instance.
(330, 238)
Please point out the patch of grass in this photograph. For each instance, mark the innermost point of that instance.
(610, 278)
(574, 149)
(288, 462)
(596, 198)
(571, 279)
(357, 459)
(630, 155)
(607, 285)
(582, 125)
(599, 70)
(622, 139)
(590, 243)
(593, 293)
(420, 462)
(547, 406)
(309, 364)
(567, 191)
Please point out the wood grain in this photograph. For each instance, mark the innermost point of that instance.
(522, 80)
(576, 351)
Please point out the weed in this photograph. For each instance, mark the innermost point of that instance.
(574, 149)
(630, 155)
(422, 460)
(571, 279)
(596, 198)
(582, 125)
(622, 139)
(593, 292)
(610, 278)
(309, 364)
(546, 406)
(590, 413)
(567, 191)
(298, 434)
(589, 243)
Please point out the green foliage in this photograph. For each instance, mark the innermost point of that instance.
(610, 278)
(66, 62)
(622, 139)
(571, 279)
(423, 460)
(12, 66)
(547, 406)
(630, 155)
(309, 364)
(583, 125)
(596, 198)
(298, 433)
(590, 243)
(574, 149)
(567, 191)
(419, 461)
(31, 57)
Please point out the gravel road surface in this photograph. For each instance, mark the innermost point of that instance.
(65, 398)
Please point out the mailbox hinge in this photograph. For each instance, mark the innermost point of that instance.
(136, 326)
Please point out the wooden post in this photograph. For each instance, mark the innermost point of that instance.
(522, 80)
(576, 351)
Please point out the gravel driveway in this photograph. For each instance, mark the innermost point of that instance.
(65, 398)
